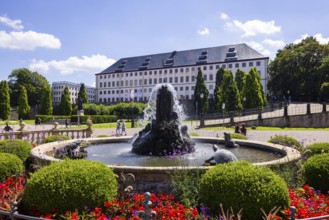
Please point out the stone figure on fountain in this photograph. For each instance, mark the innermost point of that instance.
(220, 156)
(164, 133)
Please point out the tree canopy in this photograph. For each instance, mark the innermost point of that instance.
(46, 105)
(219, 79)
(83, 93)
(4, 100)
(301, 69)
(201, 94)
(65, 104)
(23, 106)
(32, 81)
(253, 90)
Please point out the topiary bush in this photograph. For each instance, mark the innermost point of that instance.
(70, 185)
(20, 148)
(241, 185)
(285, 141)
(316, 172)
(10, 164)
(318, 148)
(53, 138)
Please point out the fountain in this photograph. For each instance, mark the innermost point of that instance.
(164, 147)
(164, 133)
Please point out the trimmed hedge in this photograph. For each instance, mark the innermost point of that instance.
(241, 185)
(47, 118)
(238, 136)
(10, 164)
(316, 171)
(285, 141)
(318, 148)
(70, 185)
(20, 148)
(53, 138)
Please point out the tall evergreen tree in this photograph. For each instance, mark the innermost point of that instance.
(229, 93)
(240, 79)
(219, 79)
(83, 93)
(46, 107)
(65, 104)
(23, 105)
(201, 94)
(252, 91)
(4, 100)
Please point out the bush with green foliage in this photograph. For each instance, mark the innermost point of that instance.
(20, 148)
(53, 138)
(238, 136)
(70, 185)
(318, 148)
(285, 141)
(10, 164)
(241, 185)
(316, 172)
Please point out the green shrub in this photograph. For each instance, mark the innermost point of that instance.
(53, 138)
(20, 148)
(70, 185)
(316, 171)
(241, 185)
(286, 141)
(10, 164)
(318, 148)
(238, 136)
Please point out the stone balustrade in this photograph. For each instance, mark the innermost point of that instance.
(36, 136)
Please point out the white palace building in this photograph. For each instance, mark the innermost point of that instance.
(133, 78)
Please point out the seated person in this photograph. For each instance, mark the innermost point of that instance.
(7, 127)
(243, 129)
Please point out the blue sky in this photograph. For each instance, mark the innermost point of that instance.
(71, 40)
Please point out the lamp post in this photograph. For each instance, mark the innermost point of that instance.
(223, 109)
(132, 96)
(244, 106)
(201, 112)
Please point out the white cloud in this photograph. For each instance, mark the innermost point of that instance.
(28, 40)
(254, 27)
(274, 43)
(319, 37)
(15, 24)
(260, 48)
(224, 16)
(92, 64)
(204, 31)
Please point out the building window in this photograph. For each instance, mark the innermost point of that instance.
(176, 70)
(187, 69)
(205, 68)
(217, 67)
(155, 72)
(145, 81)
(165, 71)
(136, 73)
(193, 78)
(251, 64)
(155, 81)
(211, 87)
(170, 71)
(230, 65)
(181, 88)
(237, 65)
(160, 80)
(244, 65)
(100, 76)
(205, 77)
(170, 79)
(108, 84)
(186, 88)
(211, 67)
(150, 73)
(100, 92)
(193, 68)
(150, 81)
(182, 79)
(101, 85)
(176, 79)
(211, 77)
(145, 73)
(192, 88)
(258, 63)
(223, 66)
(100, 99)
(187, 79)
(160, 71)
(140, 73)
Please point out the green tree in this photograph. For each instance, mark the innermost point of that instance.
(32, 81)
(324, 91)
(65, 104)
(83, 93)
(201, 94)
(229, 93)
(240, 79)
(219, 79)
(300, 69)
(46, 107)
(5, 100)
(23, 105)
(252, 90)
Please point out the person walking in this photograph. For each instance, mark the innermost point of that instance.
(118, 129)
(243, 129)
(123, 128)
(66, 123)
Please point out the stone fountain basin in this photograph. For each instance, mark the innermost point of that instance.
(157, 179)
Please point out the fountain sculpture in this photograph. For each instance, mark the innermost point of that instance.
(164, 134)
